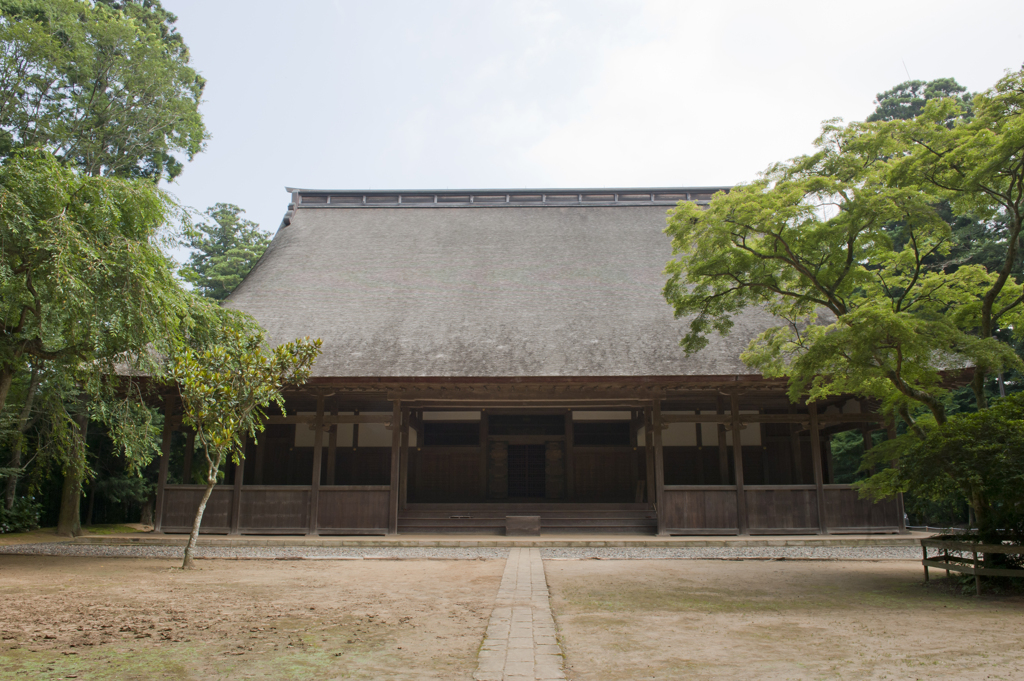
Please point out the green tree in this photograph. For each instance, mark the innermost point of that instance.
(809, 242)
(907, 100)
(225, 384)
(85, 288)
(977, 456)
(107, 86)
(224, 251)
(977, 165)
(848, 248)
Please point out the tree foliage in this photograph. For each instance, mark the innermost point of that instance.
(223, 252)
(852, 249)
(105, 85)
(82, 274)
(977, 456)
(907, 100)
(225, 385)
(977, 165)
(809, 242)
(86, 295)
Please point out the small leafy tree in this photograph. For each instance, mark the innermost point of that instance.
(226, 385)
(223, 252)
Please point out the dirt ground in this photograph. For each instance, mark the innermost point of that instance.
(93, 618)
(778, 620)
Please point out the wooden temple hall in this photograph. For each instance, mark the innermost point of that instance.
(496, 353)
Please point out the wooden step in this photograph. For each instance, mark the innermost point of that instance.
(445, 515)
(562, 521)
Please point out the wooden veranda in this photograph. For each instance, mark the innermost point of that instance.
(668, 463)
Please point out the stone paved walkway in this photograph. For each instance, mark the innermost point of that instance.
(520, 642)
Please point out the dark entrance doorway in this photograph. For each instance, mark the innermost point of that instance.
(526, 471)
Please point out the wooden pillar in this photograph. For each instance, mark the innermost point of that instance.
(659, 466)
(318, 450)
(404, 460)
(332, 451)
(484, 451)
(698, 438)
(723, 447)
(649, 453)
(570, 460)
(737, 462)
(190, 448)
(236, 493)
(165, 458)
(819, 480)
(901, 522)
(396, 451)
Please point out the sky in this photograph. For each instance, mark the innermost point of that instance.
(375, 94)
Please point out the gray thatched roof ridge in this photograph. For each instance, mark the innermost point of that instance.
(396, 291)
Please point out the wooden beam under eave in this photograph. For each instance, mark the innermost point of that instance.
(462, 402)
(772, 418)
(331, 419)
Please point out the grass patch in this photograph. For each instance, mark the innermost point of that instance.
(111, 529)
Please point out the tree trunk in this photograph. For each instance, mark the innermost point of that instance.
(92, 506)
(978, 387)
(146, 517)
(12, 480)
(6, 378)
(188, 564)
(69, 522)
(24, 422)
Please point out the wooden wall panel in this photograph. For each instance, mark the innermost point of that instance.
(274, 510)
(846, 511)
(445, 474)
(182, 501)
(352, 511)
(604, 474)
(775, 509)
(699, 510)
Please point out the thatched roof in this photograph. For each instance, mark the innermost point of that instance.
(482, 284)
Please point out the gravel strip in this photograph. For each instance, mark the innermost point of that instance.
(736, 553)
(469, 553)
(258, 552)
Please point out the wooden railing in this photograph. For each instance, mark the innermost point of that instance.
(278, 509)
(774, 509)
